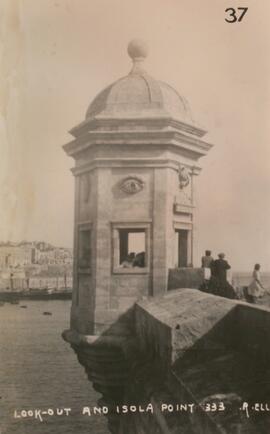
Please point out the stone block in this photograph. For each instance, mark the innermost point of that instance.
(186, 278)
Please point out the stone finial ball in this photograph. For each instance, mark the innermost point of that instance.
(137, 48)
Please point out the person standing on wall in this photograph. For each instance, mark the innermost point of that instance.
(255, 290)
(218, 283)
(207, 261)
(220, 268)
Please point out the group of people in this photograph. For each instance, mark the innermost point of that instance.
(217, 278)
(218, 284)
(134, 260)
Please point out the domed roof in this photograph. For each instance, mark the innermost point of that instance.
(139, 95)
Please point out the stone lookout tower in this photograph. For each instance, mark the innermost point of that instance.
(136, 156)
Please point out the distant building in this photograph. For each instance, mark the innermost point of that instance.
(54, 256)
(34, 265)
(15, 256)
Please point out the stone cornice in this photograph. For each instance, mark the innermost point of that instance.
(146, 138)
(131, 163)
(159, 122)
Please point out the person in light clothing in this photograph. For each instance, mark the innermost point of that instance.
(207, 259)
(128, 261)
(255, 289)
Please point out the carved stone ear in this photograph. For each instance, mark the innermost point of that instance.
(183, 176)
(132, 185)
(85, 179)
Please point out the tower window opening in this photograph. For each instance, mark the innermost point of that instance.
(132, 246)
(182, 248)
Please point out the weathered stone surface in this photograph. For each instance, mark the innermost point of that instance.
(186, 278)
(204, 336)
(183, 347)
(185, 316)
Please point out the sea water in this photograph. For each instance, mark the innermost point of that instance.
(40, 373)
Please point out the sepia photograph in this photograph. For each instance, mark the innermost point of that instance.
(134, 197)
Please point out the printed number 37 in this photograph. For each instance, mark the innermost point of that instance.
(234, 16)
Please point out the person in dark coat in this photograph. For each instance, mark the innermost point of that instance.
(139, 260)
(220, 267)
(218, 284)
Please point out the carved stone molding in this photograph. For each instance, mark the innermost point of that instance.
(132, 185)
(183, 176)
(107, 361)
(179, 208)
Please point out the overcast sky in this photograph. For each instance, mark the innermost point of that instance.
(56, 55)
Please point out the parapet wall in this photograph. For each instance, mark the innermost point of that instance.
(210, 349)
(186, 278)
(174, 323)
(252, 331)
(187, 347)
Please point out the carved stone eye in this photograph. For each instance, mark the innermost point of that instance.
(132, 185)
